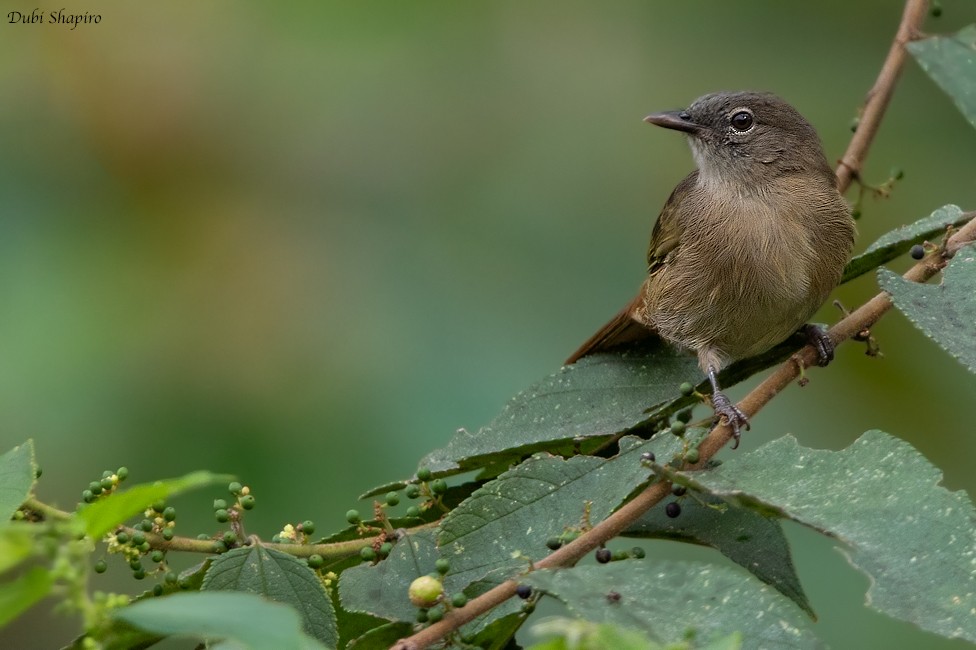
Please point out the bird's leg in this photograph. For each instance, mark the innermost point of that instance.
(817, 337)
(724, 407)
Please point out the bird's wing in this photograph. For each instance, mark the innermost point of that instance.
(668, 229)
(665, 237)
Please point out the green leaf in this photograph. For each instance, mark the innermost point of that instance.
(381, 636)
(747, 538)
(111, 511)
(17, 472)
(600, 395)
(19, 595)
(946, 312)
(16, 543)
(950, 62)
(381, 589)
(251, 621)
(575, 634)
(666, 599)
(506, 523)
(897, 242)
(881, 498)
(278, 577)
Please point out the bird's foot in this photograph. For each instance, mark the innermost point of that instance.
(733, 416)
(817, 337)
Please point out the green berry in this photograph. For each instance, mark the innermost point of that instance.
(553, 543)
(122, 473)
(220, 504)
(230, 538)
(169, 514)
(157, 590)
(95, 488)
(856, 213)
(185, 583)
(138, 538)
(637, 552)
(385, 549)
(856, 122)
(435, 614)
(170, 578)
(101, 566)
(459, 600)
(684, 416)
(438, 486)
(107, 483)
(421, 615)
(247, 501)
(352, 516)
(144, 547)
(425, 591)
(315, 561)
(673, 509)
(308, 527)
(167, 534)
(392, 498)
(686, 389)
(678, 428)
(146, 525)
(442, 565)
(412, 491)
(135, 565)
(159, 506)
(413, 511)
(603, 555)
(107, 474)
(235, 488)
(222, 516)
(219, 547)
(367, 553)
(122, 537)
(139, 575)
(692, 456)
(424, 474)
(157, 556)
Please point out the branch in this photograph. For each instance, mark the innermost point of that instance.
(848, 169)
(849, 166)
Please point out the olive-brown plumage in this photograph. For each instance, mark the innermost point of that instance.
(747, 247)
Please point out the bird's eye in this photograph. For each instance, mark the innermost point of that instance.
(742, 121)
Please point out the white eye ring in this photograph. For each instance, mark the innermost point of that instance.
(744, 118)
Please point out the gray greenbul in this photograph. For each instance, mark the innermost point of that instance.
(747, 247)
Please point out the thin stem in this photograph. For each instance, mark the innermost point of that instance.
(849, 167)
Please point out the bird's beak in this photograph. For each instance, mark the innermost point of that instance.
(677, 120)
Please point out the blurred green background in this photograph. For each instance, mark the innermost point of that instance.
(305, 243)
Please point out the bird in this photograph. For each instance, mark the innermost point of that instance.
(746, 248)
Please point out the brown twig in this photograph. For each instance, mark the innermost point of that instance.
(848, 169)
(849, 166)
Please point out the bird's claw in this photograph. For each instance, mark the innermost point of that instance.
(733, 415)
(822, 343)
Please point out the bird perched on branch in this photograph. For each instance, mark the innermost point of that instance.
(747, 247)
